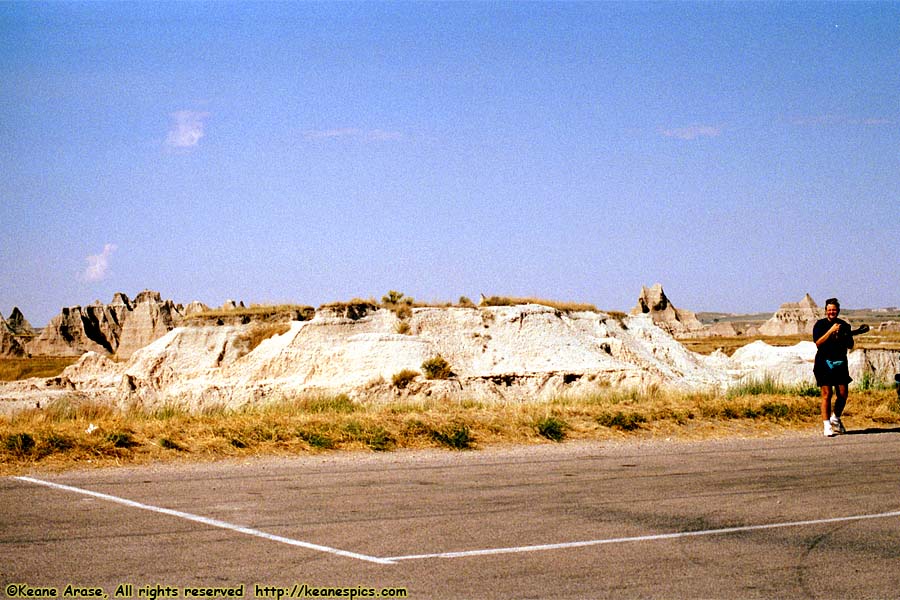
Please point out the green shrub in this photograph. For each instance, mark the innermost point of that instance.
(340, 403)
(869, 381)
(394, 297)
(19, 443)
(455, 436)
(170, 444)
(267, 432)
(775, 410)
(552, 428)
(375, 437)
(56, 442)
(404, 378)
(437, 368)
(316, 440)
(622, 420)
(398, 303)
(380, 440)
(120, 439)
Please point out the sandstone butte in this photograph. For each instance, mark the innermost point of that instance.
(502, 353)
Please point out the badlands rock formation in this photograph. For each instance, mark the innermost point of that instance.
(123, 326)
(793, 318)
(149, 319)
(118, 328)
(503, 353)
(653, 302)
(15, 332)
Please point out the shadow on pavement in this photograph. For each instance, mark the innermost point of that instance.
(873, 430)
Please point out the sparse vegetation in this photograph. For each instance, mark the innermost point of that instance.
(169, 444)
(354, 309)
(552, 428)
(769, 386)
(120, 439)
(75, 431)
(437, 367)
(18, 444)
(404, 378)
(393, 297)
(259, 333)
(325, 404)
(561, 306)
(255, 312)
(868, 381)
(400, 304)
(457, 436)
(626, 421)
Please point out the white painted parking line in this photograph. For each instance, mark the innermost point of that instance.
(640, 538)
(457, 554)
(206, 521)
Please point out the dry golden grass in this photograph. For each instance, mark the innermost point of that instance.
(558, 305)
(886, 340)
(729, 344)
(263, 331)
(253, 311)
(69, 434)
(13, 369)
(870, 340)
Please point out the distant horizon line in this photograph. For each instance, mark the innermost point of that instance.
(240, 303)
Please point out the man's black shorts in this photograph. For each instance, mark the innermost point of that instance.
(837, 374)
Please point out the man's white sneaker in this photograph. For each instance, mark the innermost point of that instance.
(836, 425)
(828, 431)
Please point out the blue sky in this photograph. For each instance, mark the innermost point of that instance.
(741, 154)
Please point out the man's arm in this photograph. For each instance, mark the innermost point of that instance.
(830, 333)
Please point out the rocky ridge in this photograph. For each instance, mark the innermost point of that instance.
(793, 318)
(15, 332)
(171, 354)
(509, 353)
(676, 321)
(123, 326)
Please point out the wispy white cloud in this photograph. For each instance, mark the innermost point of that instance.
(376, 135)
(382, 135)
(324, 134)
(826, 119)
(692, 132)
(187, 128)
(98, 264)
(830, 119)
(876, 121)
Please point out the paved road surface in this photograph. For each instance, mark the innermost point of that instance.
(789, 517)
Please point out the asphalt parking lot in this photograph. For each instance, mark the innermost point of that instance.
(793, 516)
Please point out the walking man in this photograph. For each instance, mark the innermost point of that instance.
(833, 339)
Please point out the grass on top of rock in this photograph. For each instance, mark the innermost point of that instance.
(563, 306)
(75, 431)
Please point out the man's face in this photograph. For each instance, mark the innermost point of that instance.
(831, 311)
